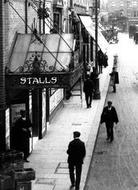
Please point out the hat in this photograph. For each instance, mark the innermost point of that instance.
(76, 133)
(109, 102)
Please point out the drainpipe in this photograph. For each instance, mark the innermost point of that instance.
(2, 81)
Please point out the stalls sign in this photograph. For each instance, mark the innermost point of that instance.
(37, 80)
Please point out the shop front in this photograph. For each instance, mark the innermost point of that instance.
(37, 76)
(88, 33)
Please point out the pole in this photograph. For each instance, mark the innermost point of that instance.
(43, 18)
(26, 17)
(96, 36)
(97, 92)
(2, 81)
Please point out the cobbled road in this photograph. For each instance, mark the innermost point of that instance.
(114, 166)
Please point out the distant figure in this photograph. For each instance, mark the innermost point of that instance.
(114, 79)
(88, 89)
(109, 116)
(22, 132)
(76, 153)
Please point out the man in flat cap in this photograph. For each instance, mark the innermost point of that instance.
(76, 153)
(109, 116)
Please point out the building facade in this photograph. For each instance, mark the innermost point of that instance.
(37, 75)
(30, 19)
(127, 8)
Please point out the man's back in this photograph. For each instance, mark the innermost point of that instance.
(76, 151)
(88, 85)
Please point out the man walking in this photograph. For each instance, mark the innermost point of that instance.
(109, 116)
(76, 153)
(88, 89)
(114, 79)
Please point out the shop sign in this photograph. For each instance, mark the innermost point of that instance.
(49, 80)
(37, 80)
(40, 81)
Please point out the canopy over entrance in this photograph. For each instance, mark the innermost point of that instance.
(48, 61)
(54, 54)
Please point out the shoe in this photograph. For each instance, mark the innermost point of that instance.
(72, 185)
(25, 160)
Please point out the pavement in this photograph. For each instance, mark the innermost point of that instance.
(49, 157)
(114, 165)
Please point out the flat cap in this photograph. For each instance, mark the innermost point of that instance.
(76, 133)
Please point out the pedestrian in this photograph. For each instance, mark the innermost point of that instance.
(114, 79)
(109, 116)
(88, 89)
(22, 133)
(76, 153)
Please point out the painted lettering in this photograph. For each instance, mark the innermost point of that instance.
(37, 81)
(54, 80)
(29, 80)
(22, 80)
(41, 81)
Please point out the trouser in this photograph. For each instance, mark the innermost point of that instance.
(109, 130)
(75, 179)
(114, 88)
(88, 97)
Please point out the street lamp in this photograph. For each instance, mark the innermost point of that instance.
(96, 80)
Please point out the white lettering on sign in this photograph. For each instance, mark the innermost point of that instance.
(39, 80)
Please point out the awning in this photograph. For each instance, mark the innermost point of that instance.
(90, 27)
(53, 55)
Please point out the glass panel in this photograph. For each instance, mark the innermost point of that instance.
(19, 52)
(26, 47)
(66, 43)
(49, 61)
(52, 42)
(64, 59)
(35, 45)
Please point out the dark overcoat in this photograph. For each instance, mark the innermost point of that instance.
(88, 86)
(21, 135)
(76, 152)
(109, 115)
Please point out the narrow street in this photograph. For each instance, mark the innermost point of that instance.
(114, 165)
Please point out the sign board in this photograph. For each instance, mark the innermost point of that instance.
(29, 81)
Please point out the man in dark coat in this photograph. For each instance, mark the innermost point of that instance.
(109, 116)
(88, 89)
(76, 153)
(22, 132)
(114, 78)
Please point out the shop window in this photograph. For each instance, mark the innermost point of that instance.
(57, 22)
